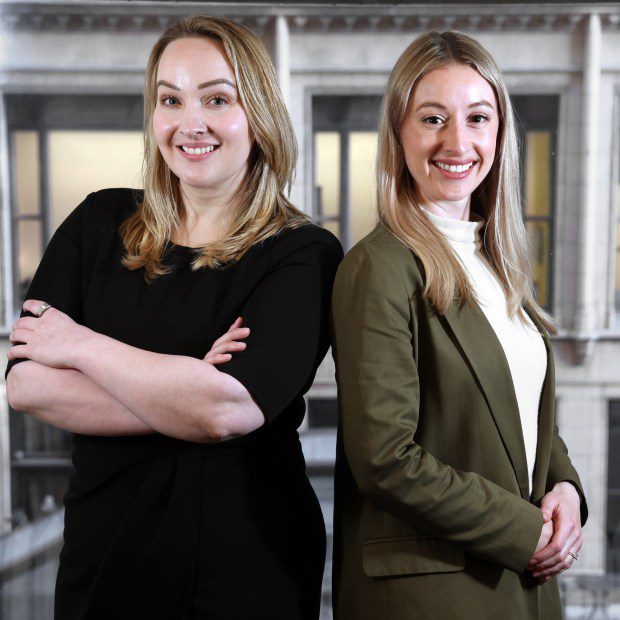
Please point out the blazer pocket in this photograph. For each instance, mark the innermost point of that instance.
(388, 557)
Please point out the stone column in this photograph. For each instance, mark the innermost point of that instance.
(282, 59)
(586, 315)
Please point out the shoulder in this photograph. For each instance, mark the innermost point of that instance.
(306, 234)
(102, 210)
(116, 204)
(382, 257)
(307, 240)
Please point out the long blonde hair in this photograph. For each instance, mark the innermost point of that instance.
(261, 207)
(497, 199)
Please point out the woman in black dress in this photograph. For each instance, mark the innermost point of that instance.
(190, 497)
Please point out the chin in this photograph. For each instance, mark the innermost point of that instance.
(195, 183)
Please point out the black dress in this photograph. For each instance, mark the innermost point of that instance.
(162, 528)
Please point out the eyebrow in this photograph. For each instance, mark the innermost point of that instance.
(203, 85)
(476, 104)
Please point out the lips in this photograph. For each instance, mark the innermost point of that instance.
(197, 151)
(453, 169)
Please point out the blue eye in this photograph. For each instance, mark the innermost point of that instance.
(169, 101)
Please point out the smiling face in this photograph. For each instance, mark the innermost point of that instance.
(200, 127)
(449, 137)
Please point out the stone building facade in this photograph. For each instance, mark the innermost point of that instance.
(72, 73)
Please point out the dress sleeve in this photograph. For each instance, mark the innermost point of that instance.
(287, 313)
(59, 277)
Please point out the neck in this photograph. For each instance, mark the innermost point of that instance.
(459, 210)
(205, 215)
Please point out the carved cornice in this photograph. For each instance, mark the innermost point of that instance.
(155, 17)
(396, 23)
(85, 22)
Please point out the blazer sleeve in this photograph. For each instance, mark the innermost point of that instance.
(561, 469)
(379, 391)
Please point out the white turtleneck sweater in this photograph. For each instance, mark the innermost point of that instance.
(523, 345)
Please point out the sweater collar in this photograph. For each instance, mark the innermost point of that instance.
(457, 230)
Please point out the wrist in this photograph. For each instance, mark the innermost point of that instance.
(85, 346)
(567, 489)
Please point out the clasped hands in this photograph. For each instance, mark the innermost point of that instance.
(561, 533)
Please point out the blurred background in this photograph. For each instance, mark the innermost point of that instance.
(71, 77)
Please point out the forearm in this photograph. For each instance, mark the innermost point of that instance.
(462, 507)
(69, 400)
(176, 395)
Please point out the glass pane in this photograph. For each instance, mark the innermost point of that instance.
(29, 240)
(538, 173)
(538, 233)
(81, 162)
(327, 179)
(362, 182)
(26, 172)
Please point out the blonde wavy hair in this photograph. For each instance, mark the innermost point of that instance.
(497, 199)
(261, 208)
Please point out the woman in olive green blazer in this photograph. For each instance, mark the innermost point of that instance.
(437, 512)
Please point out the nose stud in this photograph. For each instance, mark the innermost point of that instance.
(194, 134)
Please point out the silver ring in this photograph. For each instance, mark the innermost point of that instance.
(42, 309)
(193, 136)
(575, 556)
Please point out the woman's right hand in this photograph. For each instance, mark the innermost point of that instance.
(229, 343)
(545, 536)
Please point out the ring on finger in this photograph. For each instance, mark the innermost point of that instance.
(575, 556)
(42, 309)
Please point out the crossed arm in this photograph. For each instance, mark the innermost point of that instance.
(85, 382)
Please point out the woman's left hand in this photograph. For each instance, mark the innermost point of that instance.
(48, 339)
(562, 504)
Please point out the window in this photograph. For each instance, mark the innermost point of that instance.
(345, 150)
(63, 147)
(537, 123)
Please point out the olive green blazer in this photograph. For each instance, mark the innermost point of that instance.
(433, 518)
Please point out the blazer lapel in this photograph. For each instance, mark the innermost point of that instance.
(546, 417)
(480, 347)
